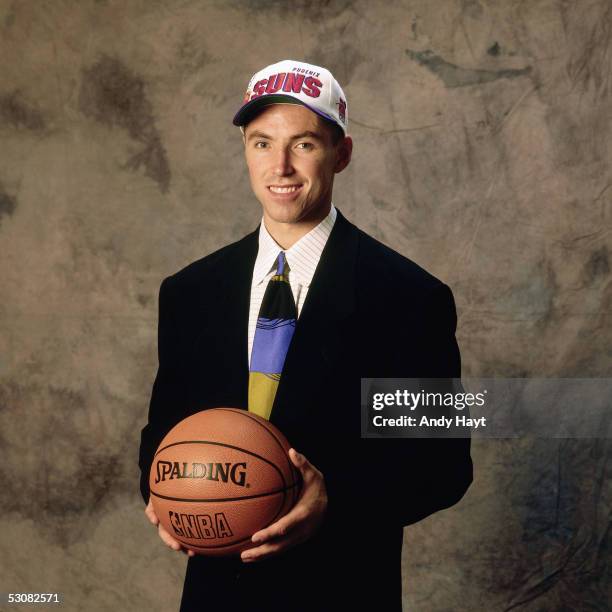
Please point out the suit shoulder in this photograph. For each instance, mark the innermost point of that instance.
(377, 260)
(210, 266)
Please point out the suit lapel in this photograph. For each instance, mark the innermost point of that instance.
(317, 341)
(227, 298)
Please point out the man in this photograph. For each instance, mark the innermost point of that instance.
(362, 310)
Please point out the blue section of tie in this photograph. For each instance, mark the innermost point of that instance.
(273, 338)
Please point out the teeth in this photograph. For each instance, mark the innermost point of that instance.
(284, 189)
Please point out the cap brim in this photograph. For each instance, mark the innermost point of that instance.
(250, 109)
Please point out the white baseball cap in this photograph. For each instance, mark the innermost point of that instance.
(294, 82)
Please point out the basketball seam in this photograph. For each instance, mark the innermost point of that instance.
(213, 545)
(245, 413)
(224, 499)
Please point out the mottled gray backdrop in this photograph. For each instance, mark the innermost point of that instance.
(483, 150)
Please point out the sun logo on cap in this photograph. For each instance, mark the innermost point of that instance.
(342, 110)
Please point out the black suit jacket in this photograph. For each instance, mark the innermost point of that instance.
(370, 312)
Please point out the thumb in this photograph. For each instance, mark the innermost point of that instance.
(298, 459)
(150, 512)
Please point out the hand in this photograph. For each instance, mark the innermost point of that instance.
(166, 538)
(300, 523)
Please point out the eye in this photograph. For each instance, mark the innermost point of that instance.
(261, 144)
(305, 145)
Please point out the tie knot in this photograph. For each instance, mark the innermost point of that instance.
(281, 265)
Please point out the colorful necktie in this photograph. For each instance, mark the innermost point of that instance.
(275, 327)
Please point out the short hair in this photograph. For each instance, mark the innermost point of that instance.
(337, 133)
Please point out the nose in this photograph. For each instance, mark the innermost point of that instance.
(282, 162)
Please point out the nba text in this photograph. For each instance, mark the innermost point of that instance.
(201, 526)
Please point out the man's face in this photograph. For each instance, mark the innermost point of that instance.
(292, 161)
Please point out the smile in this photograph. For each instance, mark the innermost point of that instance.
(285, 189)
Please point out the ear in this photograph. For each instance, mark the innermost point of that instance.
(344, 151)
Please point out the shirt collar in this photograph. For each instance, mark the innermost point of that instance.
(302, 257)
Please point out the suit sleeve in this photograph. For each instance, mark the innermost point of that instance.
(403, 481)
(165, 388)
(438, 471)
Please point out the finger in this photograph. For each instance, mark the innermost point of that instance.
(150, 514)
(277, 530)
(307, 470)
(283, 527)
(260, 553)
(298, 459)
(167, 539)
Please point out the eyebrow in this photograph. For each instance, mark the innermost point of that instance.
(306, 134)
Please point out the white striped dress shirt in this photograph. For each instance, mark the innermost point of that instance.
(302, 258)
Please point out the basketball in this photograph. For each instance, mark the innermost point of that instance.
(218, 477)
